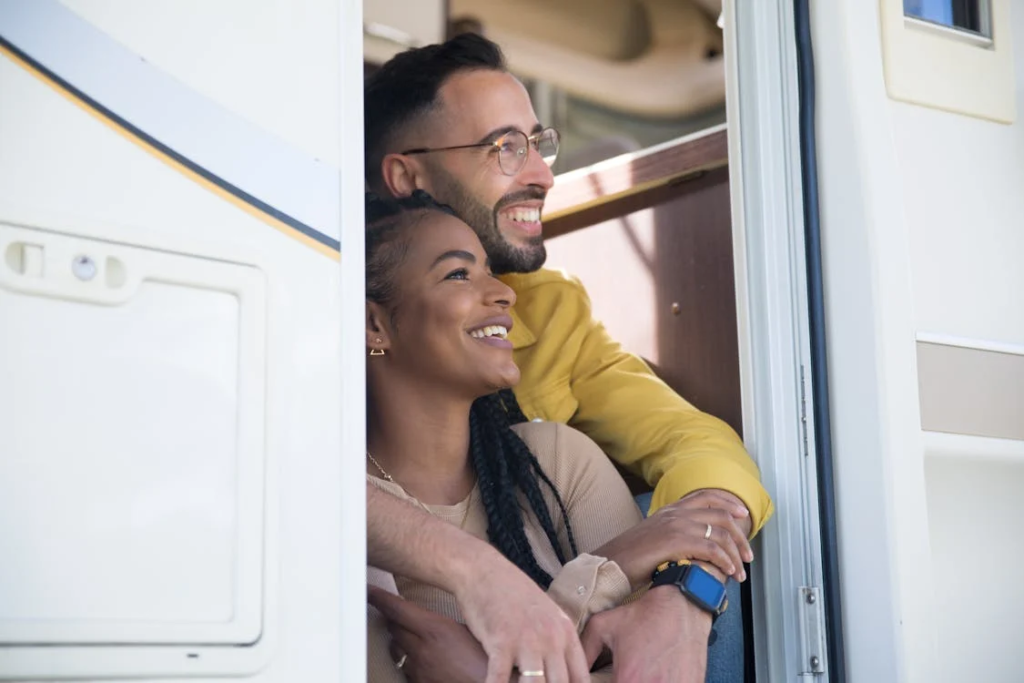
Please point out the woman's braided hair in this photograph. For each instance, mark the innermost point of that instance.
(504, 465)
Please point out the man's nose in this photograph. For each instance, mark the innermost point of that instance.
(536, 172)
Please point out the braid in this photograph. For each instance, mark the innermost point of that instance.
(506, 531)
(511, 405)
(504, 464)
(515, 415)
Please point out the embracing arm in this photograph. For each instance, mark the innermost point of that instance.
(407, 541)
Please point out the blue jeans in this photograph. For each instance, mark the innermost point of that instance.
(725, 657)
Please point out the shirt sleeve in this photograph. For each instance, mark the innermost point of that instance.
(598, 506)
(640, 422)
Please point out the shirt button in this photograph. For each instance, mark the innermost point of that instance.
(581, 590)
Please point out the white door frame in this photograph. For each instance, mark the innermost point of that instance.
(772, 308)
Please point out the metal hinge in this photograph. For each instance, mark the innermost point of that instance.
(812, 631)
(803, 411)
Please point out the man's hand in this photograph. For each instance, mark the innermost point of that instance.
(678, 531)
(519, 625)
(436, 648)
(660, 638)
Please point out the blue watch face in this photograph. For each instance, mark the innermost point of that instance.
(704, 586)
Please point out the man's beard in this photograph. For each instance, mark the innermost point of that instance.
(504, 256)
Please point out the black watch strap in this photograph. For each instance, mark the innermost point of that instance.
(676, 573)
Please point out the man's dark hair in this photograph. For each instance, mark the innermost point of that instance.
(406, 87)
(504, 465)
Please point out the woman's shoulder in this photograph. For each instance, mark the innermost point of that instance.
(562, 451)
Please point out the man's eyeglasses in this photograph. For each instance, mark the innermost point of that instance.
(513, 148)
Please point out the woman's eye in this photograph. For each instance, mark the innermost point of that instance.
(460, 274)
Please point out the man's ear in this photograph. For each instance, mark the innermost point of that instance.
(378, 332)
(401, 175)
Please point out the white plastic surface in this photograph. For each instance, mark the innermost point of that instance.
(131, 459)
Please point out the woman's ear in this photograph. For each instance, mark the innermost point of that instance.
(401, 175)
(378, 336)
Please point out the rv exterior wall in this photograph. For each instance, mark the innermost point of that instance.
(922, 242)
(281, 66)
(274, 63)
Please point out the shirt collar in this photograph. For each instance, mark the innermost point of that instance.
(520, 335)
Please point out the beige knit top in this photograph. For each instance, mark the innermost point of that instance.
(599, 507)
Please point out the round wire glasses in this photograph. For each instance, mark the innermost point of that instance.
(512, 148)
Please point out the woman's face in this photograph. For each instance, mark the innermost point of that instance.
(448, 323)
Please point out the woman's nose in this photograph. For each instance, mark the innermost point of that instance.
(501, 294)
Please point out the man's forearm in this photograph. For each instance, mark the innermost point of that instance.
(407, 541)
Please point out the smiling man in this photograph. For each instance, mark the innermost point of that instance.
(451, 120)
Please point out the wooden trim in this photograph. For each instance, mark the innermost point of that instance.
(632, 182)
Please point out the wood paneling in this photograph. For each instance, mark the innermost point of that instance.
(661, 280)
(650, 237)
(632, 182)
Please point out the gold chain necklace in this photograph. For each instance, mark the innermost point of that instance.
(391, 479)
(382, 470)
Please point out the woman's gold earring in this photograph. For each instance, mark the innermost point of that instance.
(376, 352)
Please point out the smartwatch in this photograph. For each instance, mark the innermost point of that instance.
(699, 586)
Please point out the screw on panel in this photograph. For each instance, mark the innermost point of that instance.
(815, 663)
(84, 268)
(810, 598)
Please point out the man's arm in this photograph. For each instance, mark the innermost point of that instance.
(520, 626)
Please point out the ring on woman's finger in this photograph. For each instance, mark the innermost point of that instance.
(401, 661)
(532, 673)
(707, 534)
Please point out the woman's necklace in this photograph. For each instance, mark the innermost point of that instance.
(382, 470)
(391, 479)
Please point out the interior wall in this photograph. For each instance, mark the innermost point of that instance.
(661, 280)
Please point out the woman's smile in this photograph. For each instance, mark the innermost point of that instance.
(493, 332)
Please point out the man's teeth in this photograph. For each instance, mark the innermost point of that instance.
(524, 215)
(490, 331)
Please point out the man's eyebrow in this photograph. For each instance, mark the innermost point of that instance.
(498, 132)
(456, 254)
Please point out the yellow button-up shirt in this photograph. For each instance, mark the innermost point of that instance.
(574, 372)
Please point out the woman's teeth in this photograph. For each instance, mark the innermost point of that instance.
(524, 215)
(490, 331)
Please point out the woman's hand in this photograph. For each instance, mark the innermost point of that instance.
(437, 649)
(679, 531)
